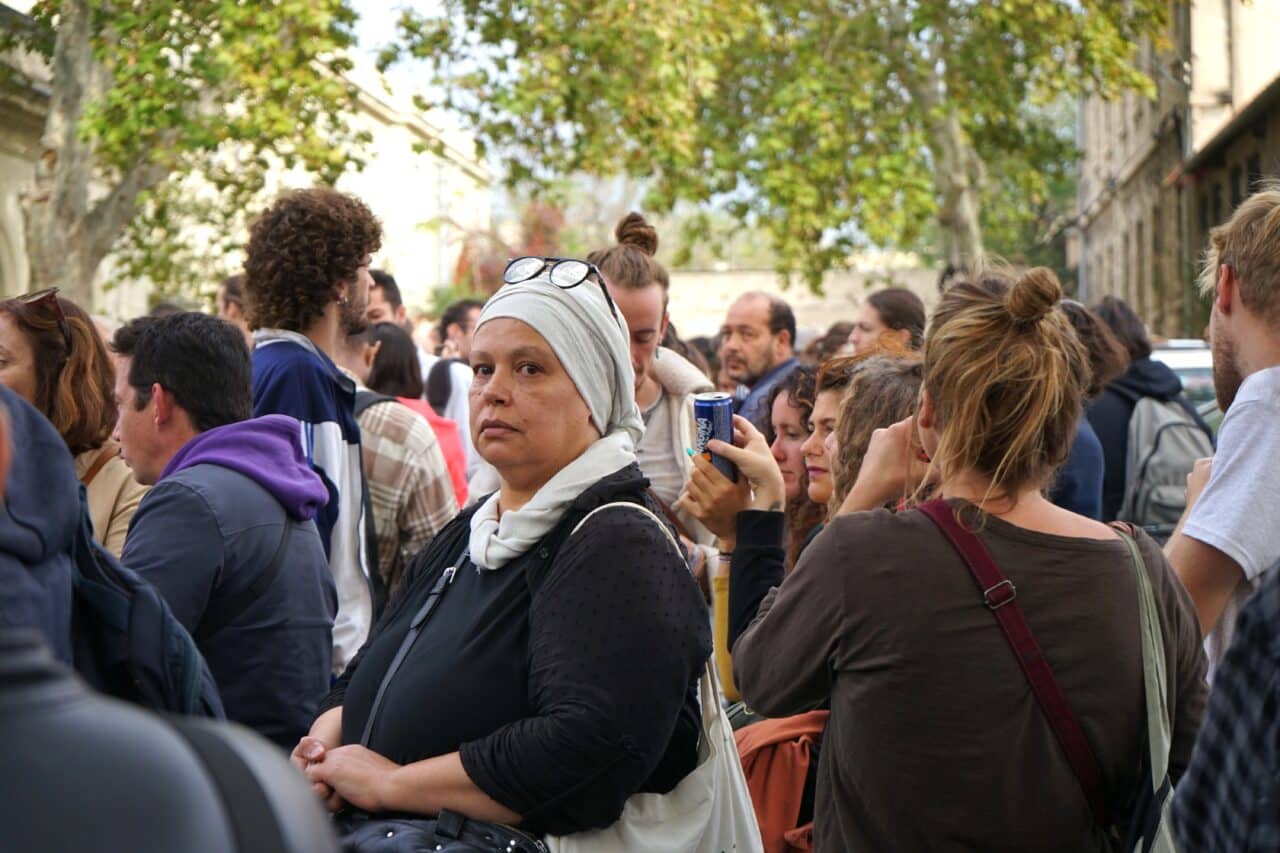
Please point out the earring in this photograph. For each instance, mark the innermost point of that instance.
(657, 354)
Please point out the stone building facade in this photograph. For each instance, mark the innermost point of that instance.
(1158, 173)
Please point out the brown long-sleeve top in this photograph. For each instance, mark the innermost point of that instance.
(936, 741)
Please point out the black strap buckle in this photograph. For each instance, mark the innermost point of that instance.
(999, 595)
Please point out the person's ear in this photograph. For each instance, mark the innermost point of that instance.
(371, 354)
(1228, 290)
(164, 404)
(925, 414)
(662, 329)
(900, 337)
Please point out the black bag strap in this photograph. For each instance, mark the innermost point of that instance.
(366, 399)
(224, 615)
(440, 384)
(253, 823)
(411, 636)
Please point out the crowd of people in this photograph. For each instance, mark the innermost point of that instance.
(981, 577)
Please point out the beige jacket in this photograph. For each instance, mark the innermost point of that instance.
(681, 380)
(113, 496)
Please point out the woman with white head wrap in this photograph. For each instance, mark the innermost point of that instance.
(557, 675)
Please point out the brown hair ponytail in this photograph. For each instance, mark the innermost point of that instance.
(630, 263)
(1007, 374)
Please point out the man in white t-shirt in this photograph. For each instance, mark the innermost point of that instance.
(1229, 536)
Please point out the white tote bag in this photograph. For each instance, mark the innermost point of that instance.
(709, 811)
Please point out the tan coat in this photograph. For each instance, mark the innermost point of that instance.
(113, 495)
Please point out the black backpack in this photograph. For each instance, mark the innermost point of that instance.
(126, 642)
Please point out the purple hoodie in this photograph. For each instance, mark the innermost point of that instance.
(267, 450)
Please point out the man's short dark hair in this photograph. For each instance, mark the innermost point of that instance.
(390, 290)
(457, 313)
(1125, 325)
(233, 290)
(299, 248)
(781, 318)
(201, 360)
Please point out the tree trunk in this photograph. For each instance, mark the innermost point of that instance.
(67, 236)
(958, 178)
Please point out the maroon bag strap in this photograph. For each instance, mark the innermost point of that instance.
(1000, 596)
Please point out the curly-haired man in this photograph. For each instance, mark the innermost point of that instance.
(306, 285)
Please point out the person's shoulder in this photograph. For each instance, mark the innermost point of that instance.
(1258, 394)
(284, 354)
(878, 523)
(117, 478)
(627, 523)
(186, 498)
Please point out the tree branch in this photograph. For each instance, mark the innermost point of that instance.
(107, 220)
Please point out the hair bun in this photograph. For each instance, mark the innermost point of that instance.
(1033, 295)
(634, 231)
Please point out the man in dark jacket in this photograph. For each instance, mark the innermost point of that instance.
(39, 515)
(1110, 413)
(226, 533)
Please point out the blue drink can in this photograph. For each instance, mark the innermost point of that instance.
(713, 418)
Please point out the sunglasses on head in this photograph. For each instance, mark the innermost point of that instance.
(49, 297)
(564, 273)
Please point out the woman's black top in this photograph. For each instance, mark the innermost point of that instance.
(567, 679)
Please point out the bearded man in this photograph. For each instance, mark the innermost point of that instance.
(307, 286)
(1229, 544)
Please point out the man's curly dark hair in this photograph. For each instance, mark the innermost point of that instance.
(299, 248)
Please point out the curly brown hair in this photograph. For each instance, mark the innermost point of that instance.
(75, 379)
(299, 248)
(883, 391)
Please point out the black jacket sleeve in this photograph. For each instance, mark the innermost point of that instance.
(618, 633)
(756, 566)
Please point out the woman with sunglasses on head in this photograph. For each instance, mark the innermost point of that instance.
(540, 664)
(936, 736)
(52, 356)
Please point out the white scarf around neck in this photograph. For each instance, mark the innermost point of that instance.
(497, 541)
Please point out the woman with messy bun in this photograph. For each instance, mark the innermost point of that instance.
(935, 737)
(665, 381)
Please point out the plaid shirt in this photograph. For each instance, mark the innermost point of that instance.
(1229, 798)
(409, 484)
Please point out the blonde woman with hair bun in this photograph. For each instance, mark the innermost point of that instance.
(935, 739)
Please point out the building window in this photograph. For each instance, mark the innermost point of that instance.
(1140, 262)
(1215, 204)
(1237, 187)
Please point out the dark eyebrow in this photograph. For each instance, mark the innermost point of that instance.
(530, 352)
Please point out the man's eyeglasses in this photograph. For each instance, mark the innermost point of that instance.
(49, 297)
(564, 273)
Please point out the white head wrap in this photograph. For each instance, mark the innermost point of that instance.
(592, 346)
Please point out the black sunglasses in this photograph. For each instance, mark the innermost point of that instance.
(49, 296)
(565, 273)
